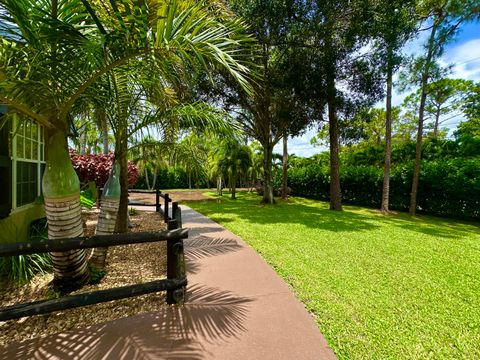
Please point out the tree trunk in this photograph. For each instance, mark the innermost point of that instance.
(219, 186)
(108, 215)
(83, 141)
(147, 182)
(104, 125)
(285, 168)
(421, 111)
(121, 157)
(267, 166)
(437, 122)
(335, 190)
(388, 135)
(189, 180)
(154, 181)
(61, 191)
(233, 185)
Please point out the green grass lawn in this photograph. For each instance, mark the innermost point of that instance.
(379, 287)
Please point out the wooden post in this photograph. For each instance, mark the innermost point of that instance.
(174, 211)
(176, 262)
(167, 199)
(157, 200)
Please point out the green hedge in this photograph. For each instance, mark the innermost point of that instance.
(448, 188)
(167, 178)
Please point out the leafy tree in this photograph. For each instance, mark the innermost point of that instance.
(278, 105)
(444, 101)
(444, 19)
(339, 30)
(394, 25)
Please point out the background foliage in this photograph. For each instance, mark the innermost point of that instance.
(448, 187)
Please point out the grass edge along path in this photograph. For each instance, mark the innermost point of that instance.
(379, 286)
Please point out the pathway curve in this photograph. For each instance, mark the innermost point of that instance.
(237, 308)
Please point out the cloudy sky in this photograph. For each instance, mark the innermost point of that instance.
(463, 54)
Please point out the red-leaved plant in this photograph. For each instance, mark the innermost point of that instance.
(96, 167)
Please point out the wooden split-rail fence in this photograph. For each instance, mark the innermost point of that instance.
(167, 211)
(174, 284)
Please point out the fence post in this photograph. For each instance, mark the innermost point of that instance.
(157, 199)
(175, 260)
(167, 199)
(174, 212)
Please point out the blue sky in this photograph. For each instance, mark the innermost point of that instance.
(464, 54)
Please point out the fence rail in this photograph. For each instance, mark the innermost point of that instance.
(174, 284)
(43, 246)
(158, 206)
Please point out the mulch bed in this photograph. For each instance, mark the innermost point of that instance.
(126, 265)
(179, 196)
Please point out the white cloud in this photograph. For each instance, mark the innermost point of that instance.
(300, 145)
(465, 58)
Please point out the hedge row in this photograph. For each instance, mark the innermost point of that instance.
(167, 178)
(448, 188)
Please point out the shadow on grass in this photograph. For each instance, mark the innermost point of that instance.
(316, 214)
(430, 225)
(247, 208)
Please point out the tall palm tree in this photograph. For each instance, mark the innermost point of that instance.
(53, 51)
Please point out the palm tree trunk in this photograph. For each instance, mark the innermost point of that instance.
(154, 181)
(83, 142)
(233, 184)
(267, 165)
(285, 168)
(219, 186)
(146, 180)
(104, 124)
(108, 215)
(121, 157)
(61, 190)
(388, 134)
(105, 226)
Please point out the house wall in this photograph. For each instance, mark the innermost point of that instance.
(16, 227)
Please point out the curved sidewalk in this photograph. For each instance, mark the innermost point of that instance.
(237, 308)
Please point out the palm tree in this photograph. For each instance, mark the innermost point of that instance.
(191, 153)
(56, 50)
(234, 160)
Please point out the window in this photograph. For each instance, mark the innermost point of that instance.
(28, 161)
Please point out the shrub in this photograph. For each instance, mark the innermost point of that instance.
(446, 188)
(167, 178)
(20, 269)
(96, 167)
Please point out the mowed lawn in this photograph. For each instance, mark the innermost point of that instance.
(379, 287)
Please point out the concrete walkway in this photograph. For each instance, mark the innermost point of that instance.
(237, 308)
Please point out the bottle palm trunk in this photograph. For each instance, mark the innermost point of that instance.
(61, 190)
(107, 219)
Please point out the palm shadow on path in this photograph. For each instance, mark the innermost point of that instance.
(211, 316)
